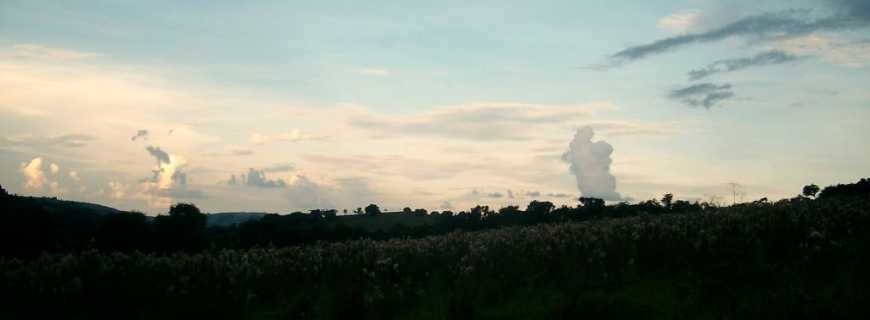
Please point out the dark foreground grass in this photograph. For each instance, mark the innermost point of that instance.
(795, 259)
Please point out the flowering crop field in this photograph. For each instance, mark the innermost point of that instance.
(794, 258)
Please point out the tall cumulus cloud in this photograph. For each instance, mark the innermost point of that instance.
(590, 165)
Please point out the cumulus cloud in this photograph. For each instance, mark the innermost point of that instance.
(54, 168)
(481, 121)
(280, 167)
(705, 95)
(256, 178)
(169, 180)
(117, 190)
(849, 14)
(294, 135)
(141, 134)
(590, 164)
(34, 178)
(728, 65)
(74, 175)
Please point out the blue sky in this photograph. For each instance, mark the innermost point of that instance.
(344, 102)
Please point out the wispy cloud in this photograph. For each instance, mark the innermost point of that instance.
(704, 95)
(679, 21)
(477, 121)
(294, 135)
(35, 51)
(850, 14)
(729, 65)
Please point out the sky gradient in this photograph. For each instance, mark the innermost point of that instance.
(281, 105)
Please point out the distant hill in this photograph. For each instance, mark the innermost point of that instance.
(225, 219)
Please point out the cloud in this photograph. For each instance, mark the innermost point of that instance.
(855, 54)
(74, 175)
(67, 141)
(728, 65)
(533, 194)
(280, 167)
(54, 168)
(590, 165)
(564, 195)
(377, 72)
(679, 21)
(705, 95)
(255, 178)
(141, 134)
(494, 195)
(34, 178)
(35, 51)
(169, 181)
(161, 156)
(510, 194)
(304, 193)
(479, 121)
(446, 205)
(850, 14)
(117, 190)
(293, 136)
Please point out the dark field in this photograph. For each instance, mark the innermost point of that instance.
(797, 258)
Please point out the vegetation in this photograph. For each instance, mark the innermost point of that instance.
(795, 258)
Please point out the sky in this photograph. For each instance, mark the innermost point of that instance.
(280, 106)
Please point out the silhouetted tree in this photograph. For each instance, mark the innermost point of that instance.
(123, 231)
(810, 190)
(420, 212)
(407, 210)
(592, 205)
(372, 210)
(3, 192)
(667, 200)
(182, 228)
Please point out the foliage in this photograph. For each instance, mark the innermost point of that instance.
(795, 258)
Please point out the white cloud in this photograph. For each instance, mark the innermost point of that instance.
(74, 175)
(54, 168)
(680, 21)
(34, 179)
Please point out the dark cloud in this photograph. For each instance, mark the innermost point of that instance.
(558, 195)
(494, 195)
(704, 95)
(256, 178)
(849, 14)
(157, 153)
(181, 193)
(729, 65)
(533, 194)
(67, 141)
(141, 134)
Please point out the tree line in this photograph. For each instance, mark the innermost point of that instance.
(31, 226)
